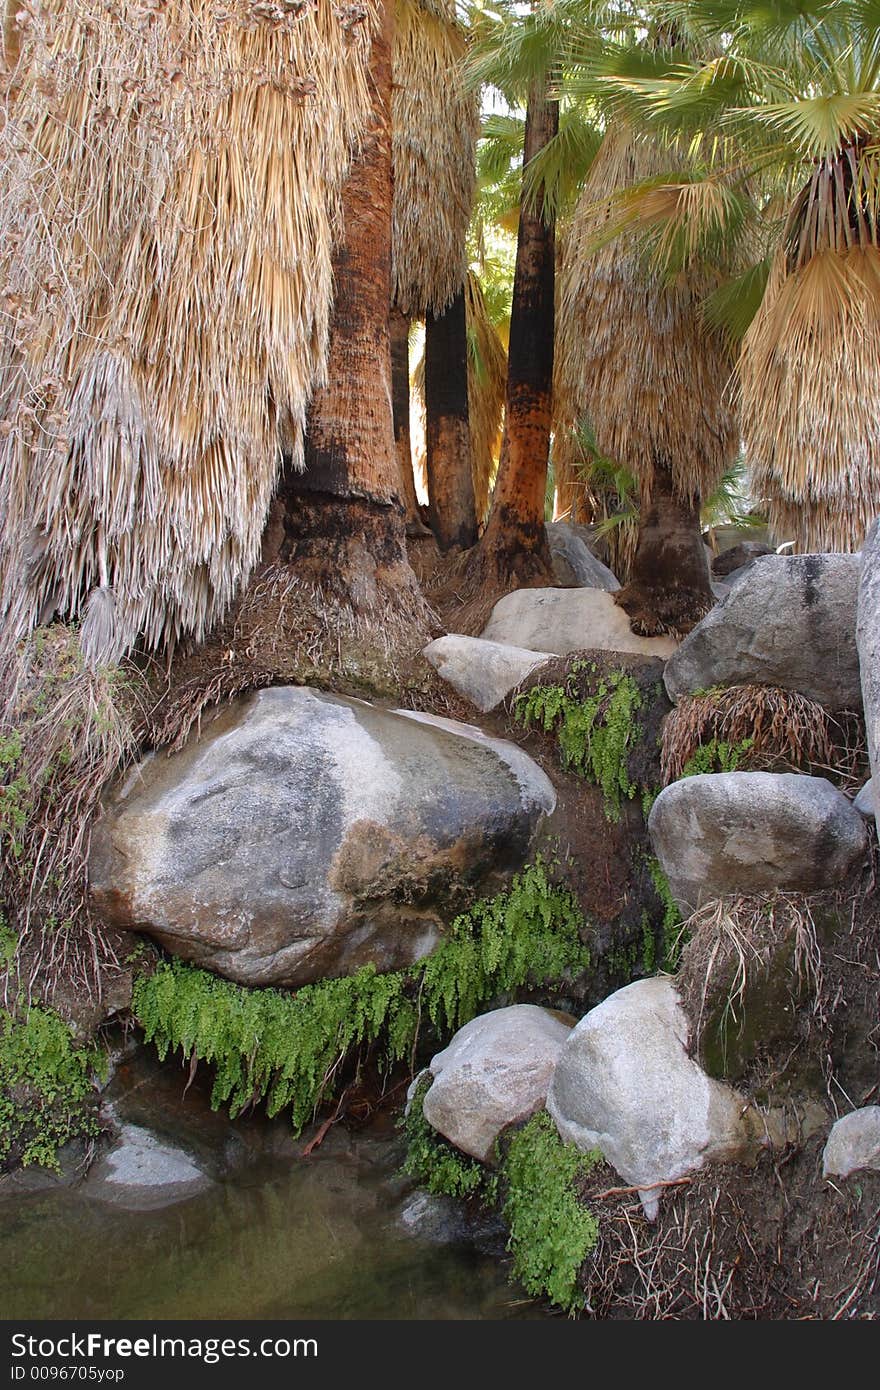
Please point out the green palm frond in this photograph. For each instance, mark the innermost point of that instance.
(734, 304)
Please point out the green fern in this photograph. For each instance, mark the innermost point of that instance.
(46, 1086)
(595, 735)
(286, 1048)
(551, 1230)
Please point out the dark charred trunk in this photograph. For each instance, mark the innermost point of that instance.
(669, 588)
(451, 506)
(399, 330)
(515, 544)
(340, 523)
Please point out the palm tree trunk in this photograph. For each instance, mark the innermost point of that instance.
(669, 588)
(515, 544)
(452, 509)
(399, 330)
(343, 519)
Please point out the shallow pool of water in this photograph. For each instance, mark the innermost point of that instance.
(339, 1234)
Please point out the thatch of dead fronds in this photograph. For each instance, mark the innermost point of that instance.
(487, 383)
(65, 729)
(171, 182)
(785, 729)
(486, 387)
(435, 123)
(632, 350)
(810, 385)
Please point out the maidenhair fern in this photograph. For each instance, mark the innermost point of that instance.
(436, 1165)
(46, 1086)
(595, 733)
(716, 756)
(286, 1048)
(551, 1230)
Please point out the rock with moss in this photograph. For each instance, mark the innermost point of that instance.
(495, 1072)
(625, 1085)
(305, 835)
(604, 712)
(728, 833)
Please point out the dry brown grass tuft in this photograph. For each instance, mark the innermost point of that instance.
(734, 1243)
(787, 731)
(65, 730)
(733, 946)
(171, 193)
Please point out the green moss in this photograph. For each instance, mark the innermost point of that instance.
(595, 733)
(46, 1086)
(673, 940)
(716, 756)
(551, 1230)
(286, 1048)
(435, 1164)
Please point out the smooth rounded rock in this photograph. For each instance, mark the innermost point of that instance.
(864, 802)
(625, 1084)
(854, 1142)
(725, 833)
(568, 620)
(788, 621)
(142, 1171)
(305, 835)
(495, 1071)
(482, 672)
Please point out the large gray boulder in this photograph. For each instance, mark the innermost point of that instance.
(568, 620)
(482, 672)
(788, 621)
(495, 1072)
(854, 1143)
(868, 639)
(751, 832)
(625, 1084)
(306, 835)
(574, 561)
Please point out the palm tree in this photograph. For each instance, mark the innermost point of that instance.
(786, 102)
(513, 548)
(435, 123)
(341, 519)
(167, 226)
(635, 357)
